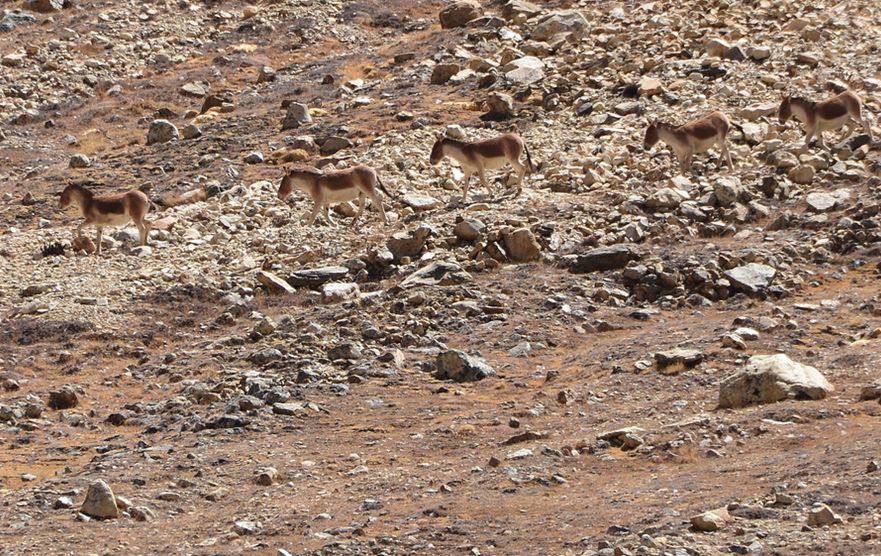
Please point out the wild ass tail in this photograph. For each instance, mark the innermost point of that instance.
(528, 158)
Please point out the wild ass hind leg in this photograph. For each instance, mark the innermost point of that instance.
(809, 135)
(723, 146)
(865, 123)
(467, 179)
(326, 207)
(143, 230)
(521, 169)
(685, 162)
(315, 210)
(377, 203)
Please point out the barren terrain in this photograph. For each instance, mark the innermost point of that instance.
(250, 384)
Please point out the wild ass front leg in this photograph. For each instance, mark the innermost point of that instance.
(481, 172)
(98, 239)
(727, 154)
(467, 179)
(362, 200)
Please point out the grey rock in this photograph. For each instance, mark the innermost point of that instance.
(822, 515)
(162, 131)
(821, 202)
(441, 273)
(273, 283)
(458, 366)
(243, 528)
(296, 115)
(314, 277)
(334, 144)
(712, 520)
(421, 202)
(686, 358)
(100, 502)
(79, 161)
(408, 244)
(525, 70)
(469, 229)
(513, 8)
(666, 198)
(13, 18)
(565, 21)
(46, 6)
(266, 74)
(63, 398)
(191, 131)
(522, 246)
(255, 157)
(347, 350)
(727, 190)
(443, 72)
(459, 13)
(337, 292)
(500, 105)
(871, 391)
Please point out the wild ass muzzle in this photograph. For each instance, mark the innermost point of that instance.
(831, 114)
(480, 156)
(697, 136)
(117, 209)
(338, 186)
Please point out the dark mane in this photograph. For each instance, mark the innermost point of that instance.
(802, 100)
(81, 188)
(447, 140)
(305, 170)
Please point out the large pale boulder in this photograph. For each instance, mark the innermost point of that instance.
(458, 14)
(772, 378)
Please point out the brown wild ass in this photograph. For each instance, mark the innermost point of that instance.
(696, 136)
(480, 156)
(338, 186)
(116, 209)
(826, 115)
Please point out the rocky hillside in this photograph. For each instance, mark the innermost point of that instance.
(611, 358)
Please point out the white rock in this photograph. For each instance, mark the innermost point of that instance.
(772, 378)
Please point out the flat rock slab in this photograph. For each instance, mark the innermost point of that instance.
(822, 202)
(437, 274)
(422, 202)
(314, 277)
(273, 283)
(685, 357)
(604, 258)
(772, 378)
(751, 278)
(165, 223)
